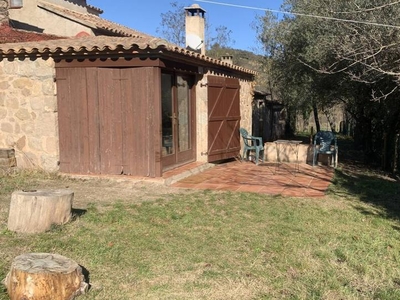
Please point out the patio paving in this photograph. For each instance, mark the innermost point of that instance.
(266, 178)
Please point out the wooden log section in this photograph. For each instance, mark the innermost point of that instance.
(44, 276)
(35, 211)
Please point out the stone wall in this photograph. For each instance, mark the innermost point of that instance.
(4, 12)
(290, 153)
(41, 15)
(246, 108)
(28, 112)
(201, 119)
(302, 153)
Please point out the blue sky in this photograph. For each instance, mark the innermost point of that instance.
(145, 16)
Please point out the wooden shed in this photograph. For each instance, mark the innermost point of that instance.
(120, 105)
(268, 120)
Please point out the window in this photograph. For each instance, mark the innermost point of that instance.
(177, 118)
(16, 3)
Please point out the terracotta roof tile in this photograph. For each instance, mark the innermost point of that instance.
(95, 8)
(129, 40)
(104, 44)
(89, 44)
(11, 35)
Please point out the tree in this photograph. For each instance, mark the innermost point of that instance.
(223, 37)
(339, 51)
(354, 37)
(173, 24)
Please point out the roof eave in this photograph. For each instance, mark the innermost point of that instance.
(203, 61)
(153, 48)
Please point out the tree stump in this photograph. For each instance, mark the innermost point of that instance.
(43, 276)
(36, 210)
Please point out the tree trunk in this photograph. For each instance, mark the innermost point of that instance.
(316, 117)
(37, 210)
(43, 276)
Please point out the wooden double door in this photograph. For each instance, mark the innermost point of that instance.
(108, 120)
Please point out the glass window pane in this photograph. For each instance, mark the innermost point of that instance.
(183, 113)
(167, 115)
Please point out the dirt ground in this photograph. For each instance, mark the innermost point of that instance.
(100, 191)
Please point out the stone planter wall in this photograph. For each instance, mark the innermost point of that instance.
(287, 154)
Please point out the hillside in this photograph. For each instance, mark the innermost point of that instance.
(245, 59)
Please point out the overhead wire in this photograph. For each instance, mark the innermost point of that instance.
(368, 9)
(301, 14)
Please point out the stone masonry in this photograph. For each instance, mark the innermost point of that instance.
(4, 18)
(28, 112)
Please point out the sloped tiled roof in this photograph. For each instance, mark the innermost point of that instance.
(106, 44)
(91, 20)
(88, 44)
(11, 35)
(128, 40)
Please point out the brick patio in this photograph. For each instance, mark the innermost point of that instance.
(266, 178)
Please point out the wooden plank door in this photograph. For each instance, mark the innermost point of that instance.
(76, 121)
(223, 118)
(109, 120)
(110, 116)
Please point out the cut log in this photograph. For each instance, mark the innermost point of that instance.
(43, 276)
(37, 210)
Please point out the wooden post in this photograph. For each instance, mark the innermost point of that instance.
(40, 276)
(36, 211)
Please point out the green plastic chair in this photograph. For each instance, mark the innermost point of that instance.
(252, 143)
(327, 145)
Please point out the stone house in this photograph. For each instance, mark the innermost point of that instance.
(119, 103)
(62, 18)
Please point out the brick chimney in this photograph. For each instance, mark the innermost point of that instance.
(195, 28)
(4, 20)
(227, 59)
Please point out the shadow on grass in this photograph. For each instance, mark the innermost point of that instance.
(362, 178)
(372, 188)
(86, 275)
(77, 212)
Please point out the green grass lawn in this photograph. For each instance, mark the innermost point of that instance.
(221, 245)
